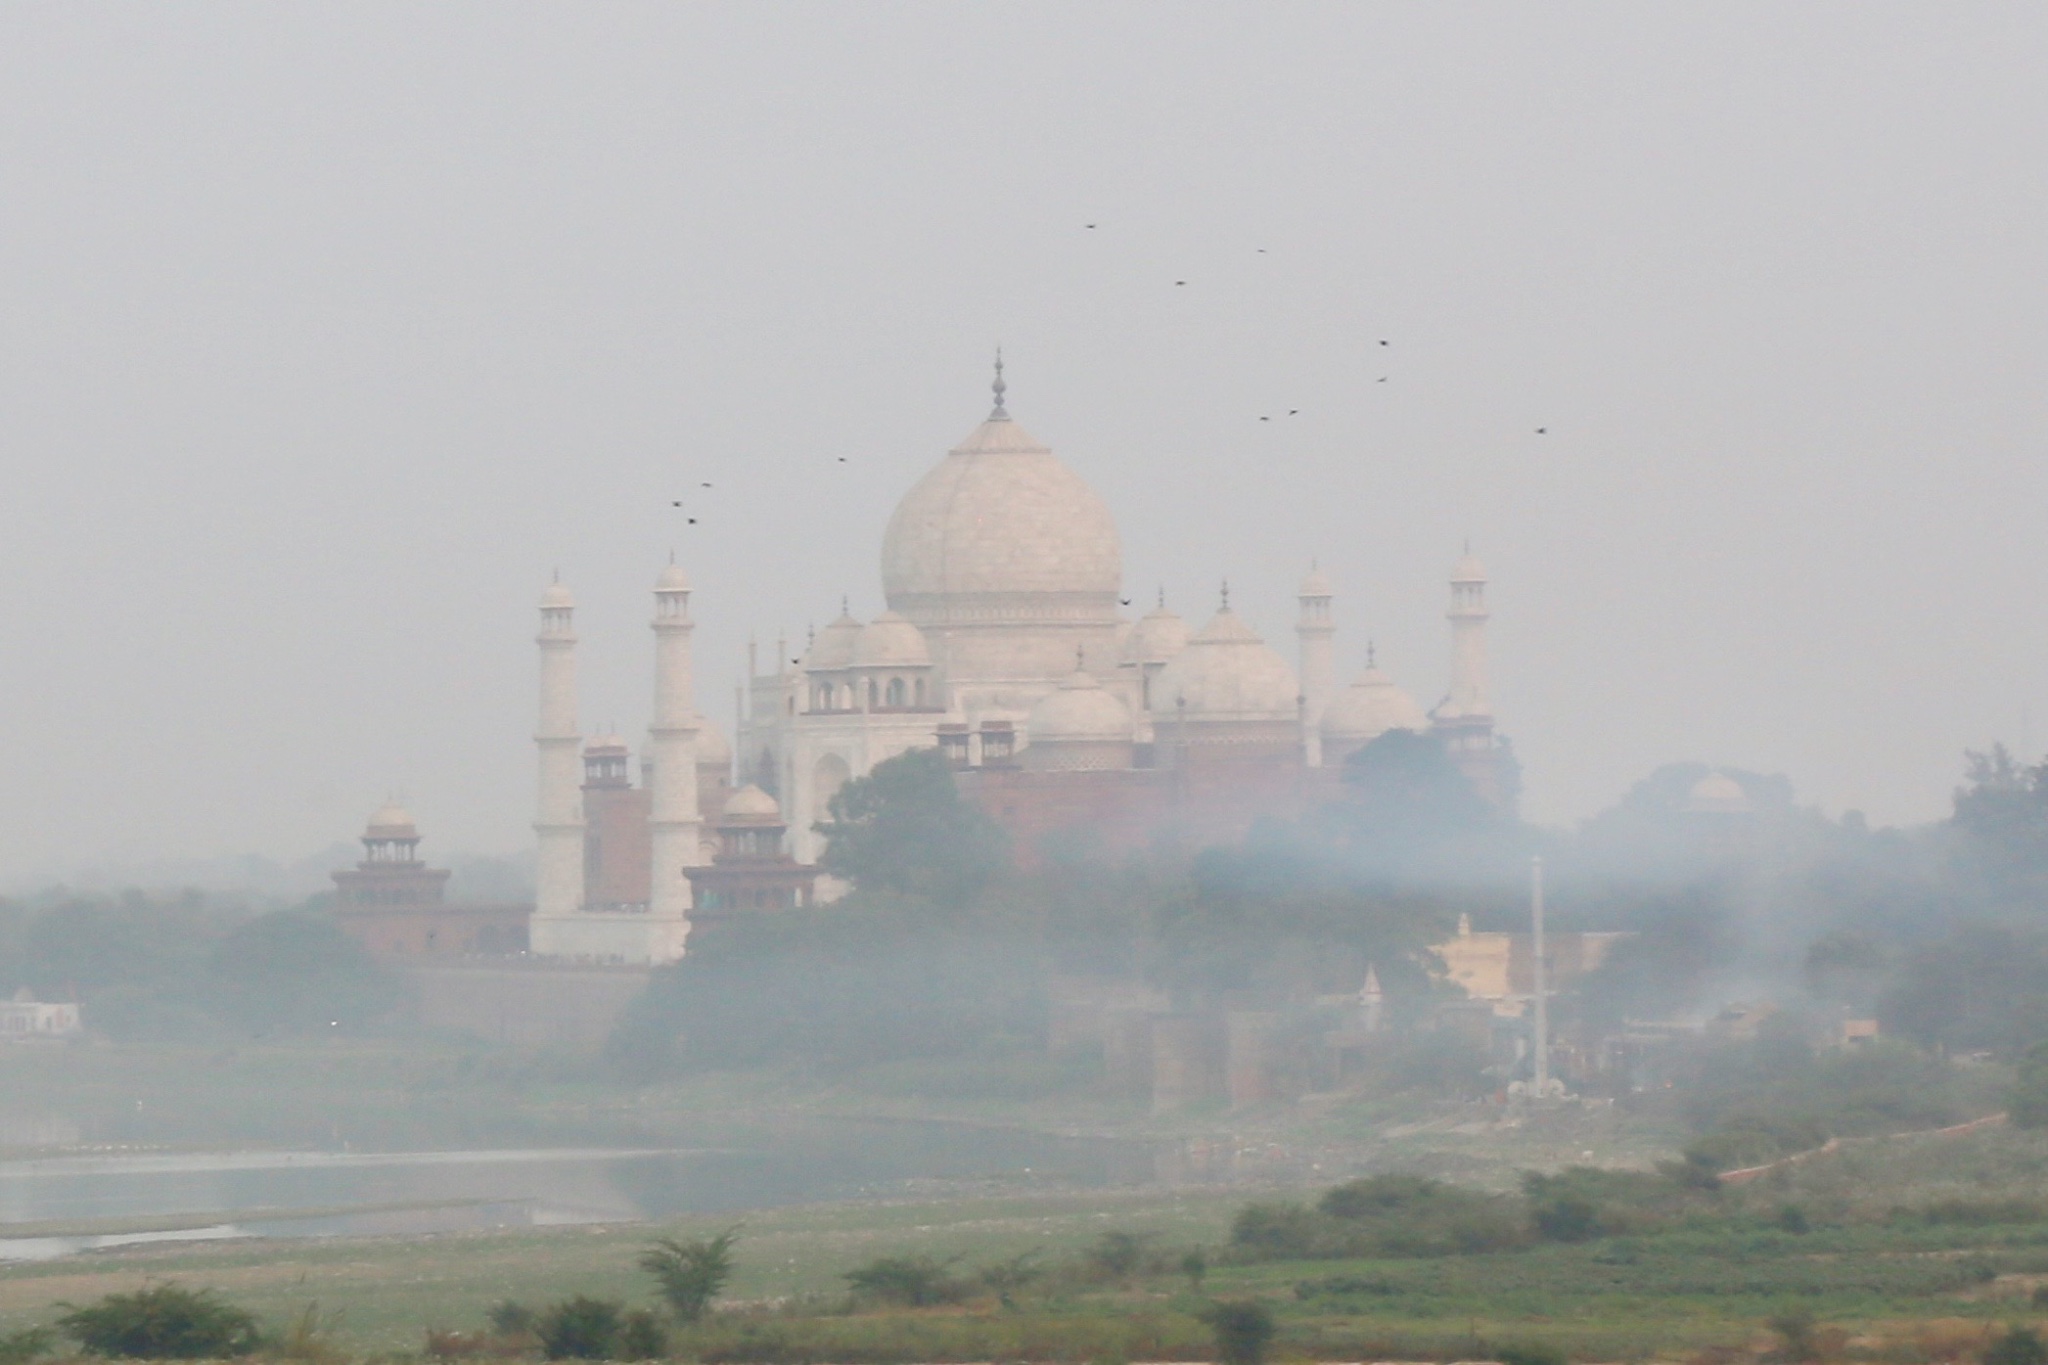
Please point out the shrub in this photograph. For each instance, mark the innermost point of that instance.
(690, 1274)
(1794, 1327)
(581, 1328)
(911, 1281)
(1005, 1279)
(1387, 1215)
(162, 1322)
(1244, 1329)
(2019, 1346)
(1116, 1256)
(641, 1337)
(18, 1348)
(509, 1317)
(1530, 1353)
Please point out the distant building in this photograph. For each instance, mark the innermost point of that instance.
(1500, 969)
(1004, 646)
(26, 1017)
(751, 871)
(397, 906)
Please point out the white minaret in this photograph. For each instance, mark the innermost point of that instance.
(675, 824)
(1468, 641)
(1464, 719)
(558, 817)
(1317, 633)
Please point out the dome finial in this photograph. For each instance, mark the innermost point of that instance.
(1162, 597)
(999, 414)
(1371, 655)
(1226, 594)
(1079, 663)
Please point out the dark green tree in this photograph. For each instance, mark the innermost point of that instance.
(2028, 1104)
(1244, 1330)
(904, 829)
(2019, 1346)
(162, 1322)
(296, 972)
(582, 1328)
(910, 1281)
(689, 1275)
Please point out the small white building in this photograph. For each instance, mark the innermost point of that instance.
(27, 1017)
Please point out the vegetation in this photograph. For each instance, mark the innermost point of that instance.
(162, 1322)
(585, 1328)
(690, 1274)
(1244, 1330)
(187, 967)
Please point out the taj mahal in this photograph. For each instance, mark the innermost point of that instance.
(1004, 646)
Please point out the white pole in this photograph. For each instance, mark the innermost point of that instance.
(1542, 986)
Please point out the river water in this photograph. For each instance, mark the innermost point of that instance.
(59, 1205)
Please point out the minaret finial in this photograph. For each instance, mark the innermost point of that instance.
(1371, 658)
(843, 611)
(1226, 594)
(1162, 597)
(1080, 664)
(999, 414)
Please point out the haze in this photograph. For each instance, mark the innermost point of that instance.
(332, 332)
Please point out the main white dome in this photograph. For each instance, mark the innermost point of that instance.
(1000, 517)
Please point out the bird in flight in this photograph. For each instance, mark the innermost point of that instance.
(706, 485)
(1089, 226)
(842, 459)
(1381, 380)
(1291, 412)
(1383, 343)
(1125, 600)
(1265, 419)
(1543, 431)
(1180, 282)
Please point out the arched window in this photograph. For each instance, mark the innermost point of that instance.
(896, 697)
(872, 700)
(920, 692)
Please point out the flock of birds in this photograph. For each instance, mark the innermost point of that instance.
(1178, 284)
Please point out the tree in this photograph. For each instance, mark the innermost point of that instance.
(911, 1281)
(2028, 1104)
(582, 1328)
(1244, 1329)
(2019, 1346)
(162, 1322)
(690, 1275)
(903, 828)
(298, 972)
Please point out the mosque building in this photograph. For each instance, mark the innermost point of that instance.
(1004, 647)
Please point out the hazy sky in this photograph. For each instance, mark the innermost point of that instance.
(331, 331)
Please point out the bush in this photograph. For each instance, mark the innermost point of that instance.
(1383, 1215)
(162, 1322)
(18, 1348)
(642, 1337)
(1530, 1353)
(1794, 1327)
(509, 1317)
(2019, 1346)
(911, 1281)
(1116, 1256)
(581, 1328)
(1244, 1329)
(690, 1274)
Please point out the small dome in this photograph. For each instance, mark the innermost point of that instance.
(1317, 584)
(1227, 673)
(753, 804)
(1079, 709)
(1468, 569)
(1369, 708)
(556, 597)
(391, 821)
(889, 641)
(833, 648)
(1157, 637)
(713, 748)
(1718, 794)
(672, 579)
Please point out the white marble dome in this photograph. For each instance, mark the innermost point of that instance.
(556, 597)
(753, 804)
(391, 821)
(1369, 708)
(1157, 636)
(1080, 709)
(833, 647)
(672, 579)
(1000, 516)
(889, 641)
(1227, 673)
